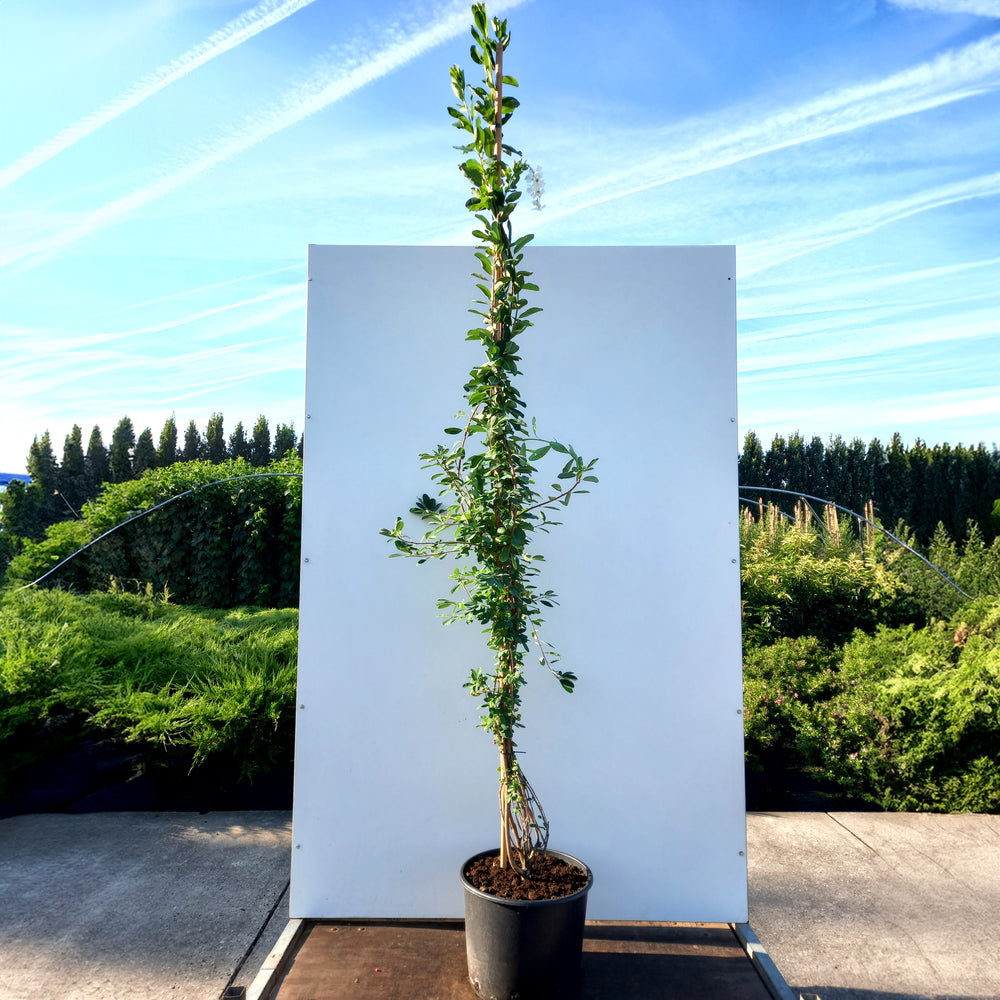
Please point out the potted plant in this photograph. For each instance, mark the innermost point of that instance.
(525, 905)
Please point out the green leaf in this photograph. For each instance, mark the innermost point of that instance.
(561, 448)
(453, 430)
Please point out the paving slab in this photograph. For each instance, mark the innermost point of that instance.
(878, 906)
(139, 905)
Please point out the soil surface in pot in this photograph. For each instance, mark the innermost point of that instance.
(550, 879)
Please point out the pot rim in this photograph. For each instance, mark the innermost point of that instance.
(502, 900)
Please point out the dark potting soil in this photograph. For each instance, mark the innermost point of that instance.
(550, 879)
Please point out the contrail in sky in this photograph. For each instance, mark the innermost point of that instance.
(326, 87)
(248, 24)
(951, 76)
(756, 257)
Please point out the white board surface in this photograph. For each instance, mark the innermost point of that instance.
(640, 770)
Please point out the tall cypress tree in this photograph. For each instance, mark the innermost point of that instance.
(858, 476)
(166, 452)
(898, 494)
(878, 475)
(145, 453)
(796, 472)
(284, 441)
(122, 443)
(215, 439)
(751, 464)
(72, 471)
(44, 472)
(239, 446)
(96, 462)
(193, 445)
(816, 484)
(260, 443)
(920, 517)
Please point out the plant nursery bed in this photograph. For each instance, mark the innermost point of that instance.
(404, 959)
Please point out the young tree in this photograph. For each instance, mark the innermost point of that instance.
(145, 453)
(166, 452)
(193, 445)
(284, 441)
(488, 475)
(215, 440)
(260, 443)
(96, 462)
(122, 443)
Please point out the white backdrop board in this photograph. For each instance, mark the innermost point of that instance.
(641, 769)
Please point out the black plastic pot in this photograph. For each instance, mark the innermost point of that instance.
(520, 949)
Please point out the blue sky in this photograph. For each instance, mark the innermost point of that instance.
(165, 163)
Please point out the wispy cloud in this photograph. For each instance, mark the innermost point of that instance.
(984, 8)
(397, 47)
(187, 292)
(755, 257)
(237, 31)
(951, 76)
(829, 291)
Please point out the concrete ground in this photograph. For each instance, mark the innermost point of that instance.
(139, 906)
(878, 906)
(144, 906)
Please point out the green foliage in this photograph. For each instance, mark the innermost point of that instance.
(36, 558)
(120, 457)
(803, 578)
(782, 684)
(487, 474)
(221, 546)
(920, 484)
(863, 666)
(186, 685)
(914, 723)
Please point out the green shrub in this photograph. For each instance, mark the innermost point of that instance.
(798, 580)
(188, 686)
(233, 539)
(915, 724)
(34, 559)
(781, 685)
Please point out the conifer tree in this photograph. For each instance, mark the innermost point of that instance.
(166, 452)
(145, 453)
(751, 463)
(193, 444)
(215, 440)
(44, 472)
(260, 443)
(96, 462)
(72, 472)
(122, 443)
(239, 447)
(284, 441)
